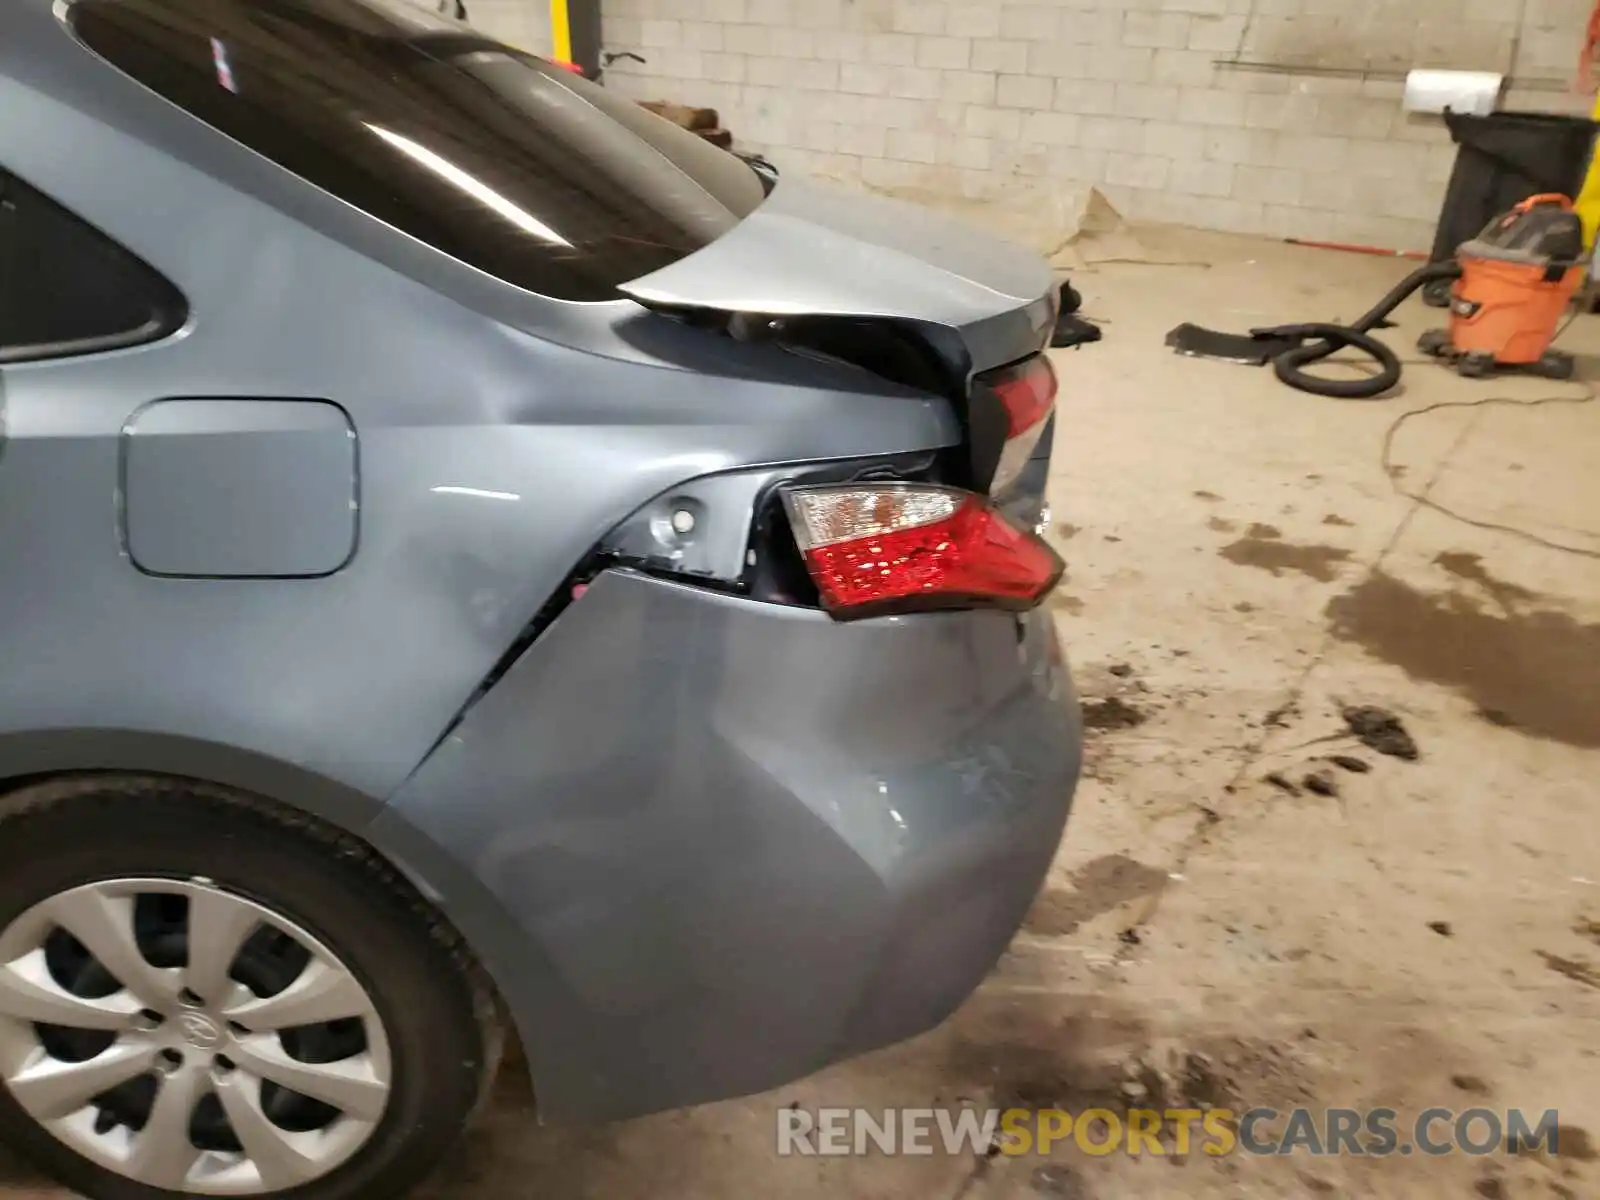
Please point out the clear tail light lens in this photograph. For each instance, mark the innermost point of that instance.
(1027, 392)
(902, 547)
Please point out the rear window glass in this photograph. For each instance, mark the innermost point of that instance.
(495, 157)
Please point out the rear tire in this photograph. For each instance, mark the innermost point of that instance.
(437, 1030)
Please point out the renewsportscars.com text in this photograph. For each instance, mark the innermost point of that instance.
(1331, 1132)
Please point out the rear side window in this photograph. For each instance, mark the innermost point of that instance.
(66, 288)
(495, 157)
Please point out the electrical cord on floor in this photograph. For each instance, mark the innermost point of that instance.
(1587, 396)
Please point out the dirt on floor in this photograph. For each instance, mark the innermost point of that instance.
(1258, 580)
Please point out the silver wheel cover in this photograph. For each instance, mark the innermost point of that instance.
(197, 1032)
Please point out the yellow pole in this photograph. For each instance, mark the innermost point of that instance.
(1587, 201)
(560, 31)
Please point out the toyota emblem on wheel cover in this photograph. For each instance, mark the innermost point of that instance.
(200, 1030)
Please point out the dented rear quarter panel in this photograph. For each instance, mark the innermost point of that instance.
(500, 435)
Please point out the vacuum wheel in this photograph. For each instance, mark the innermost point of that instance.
(1436, 293)
(1555, 365)
(1434, 342)
(1476, 365)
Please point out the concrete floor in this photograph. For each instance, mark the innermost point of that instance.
(1243, 560)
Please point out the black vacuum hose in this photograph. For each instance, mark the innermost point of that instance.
(1319, 341)
(1324, 341)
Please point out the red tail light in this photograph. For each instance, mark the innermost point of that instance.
(899, 547)
(566, 66)
(1028, 393)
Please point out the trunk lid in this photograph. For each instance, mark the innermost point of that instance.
(815, 250)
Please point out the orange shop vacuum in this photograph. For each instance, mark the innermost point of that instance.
(1517, 278)
(1511, 285)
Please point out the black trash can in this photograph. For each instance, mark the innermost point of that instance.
(1501, 160)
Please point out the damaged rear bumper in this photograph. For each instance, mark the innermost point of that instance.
(728, 843)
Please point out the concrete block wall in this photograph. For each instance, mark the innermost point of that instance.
(524, 24)
(1145, 99)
